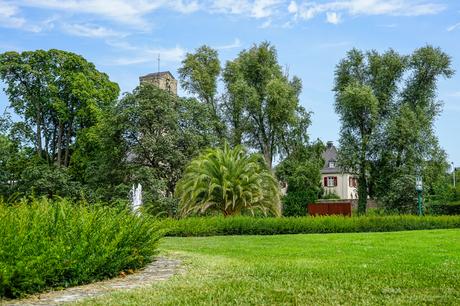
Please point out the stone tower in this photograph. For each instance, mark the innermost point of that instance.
(164, 80)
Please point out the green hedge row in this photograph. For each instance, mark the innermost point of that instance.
(212, 226)
(44, 245)
(452, 208)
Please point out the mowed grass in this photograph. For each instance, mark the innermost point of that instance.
(398, 268)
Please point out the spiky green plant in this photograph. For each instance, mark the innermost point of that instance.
(229, 181)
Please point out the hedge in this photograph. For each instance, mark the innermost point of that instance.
(452, 208)
(241, 225)
(45, 245)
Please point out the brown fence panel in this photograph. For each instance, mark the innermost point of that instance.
(330, 208)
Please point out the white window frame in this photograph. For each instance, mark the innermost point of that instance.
(330, 181)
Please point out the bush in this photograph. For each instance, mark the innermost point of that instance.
(295, 203)
(45, 244)
(213, 226)
(452, 208)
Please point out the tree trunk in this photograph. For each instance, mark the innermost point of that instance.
(267, 156)
(362, 180)
(39, 136)
(67, 141)
(59, 144)
(362, 193)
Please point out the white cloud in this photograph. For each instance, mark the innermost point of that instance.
(256, 9)
(9, 16)
(293, 8)
(235, 44)
(263, 8)
(332, 17)
(89, 30)
(308, 10)
(129, 12)
(453, 27)
(267, 23)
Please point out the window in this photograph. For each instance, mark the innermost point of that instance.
(331, 164)
(330, 181)
(352, 182)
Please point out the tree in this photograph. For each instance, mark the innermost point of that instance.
(148, 138)
(198, 75)
(358, 109)
(59, 95)
(387, 104)
(262, 104)
(301, 172)
(229, 181)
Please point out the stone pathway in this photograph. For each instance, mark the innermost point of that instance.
(161, 269)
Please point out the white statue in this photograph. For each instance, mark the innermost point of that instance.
(136, 198)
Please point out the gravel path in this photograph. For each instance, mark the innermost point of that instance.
(161, 269)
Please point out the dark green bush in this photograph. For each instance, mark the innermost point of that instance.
(452, 208)
(295, 202)
(212, 226)
(59, 244)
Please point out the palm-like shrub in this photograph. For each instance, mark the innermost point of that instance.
(229, 181)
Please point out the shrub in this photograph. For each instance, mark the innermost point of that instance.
(241, 225)
(452, 208)
(295, 203)
(56, 244)
(229, 181)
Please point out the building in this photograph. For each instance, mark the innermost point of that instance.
(164, 80)
(333, 179)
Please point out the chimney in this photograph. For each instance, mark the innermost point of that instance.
(330, 144)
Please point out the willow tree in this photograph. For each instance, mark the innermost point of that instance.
(263, 103)
(387, 106)
(229, 181)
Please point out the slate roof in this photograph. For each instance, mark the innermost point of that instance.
(158, 74)
(330, 154)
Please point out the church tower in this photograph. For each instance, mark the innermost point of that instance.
(163, 80)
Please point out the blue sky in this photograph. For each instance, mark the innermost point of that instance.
(123, 38)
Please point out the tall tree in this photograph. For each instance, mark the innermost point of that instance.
(387, 104)
(199, 75)
(262, 101)
(58, 94)
(159, 134)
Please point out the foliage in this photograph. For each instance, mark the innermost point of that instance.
(387, 104)
(198, 75)
(47, 244)
(295, 202)
(330, 196)
(242, 225)
(229, 181)
(159, 134)
(300, 170)
(440, 208)
(263, 104)
(60, 100)
(58, 94)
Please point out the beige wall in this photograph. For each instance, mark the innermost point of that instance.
(164, 82)
(343, 189)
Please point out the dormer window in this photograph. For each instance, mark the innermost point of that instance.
(331, 164)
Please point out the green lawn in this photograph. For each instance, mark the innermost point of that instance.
(408, 268)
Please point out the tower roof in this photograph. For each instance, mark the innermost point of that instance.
(158, 75)
(330, 155)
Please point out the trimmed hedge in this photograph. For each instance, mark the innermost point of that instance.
(213, 226)
(44, 245)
